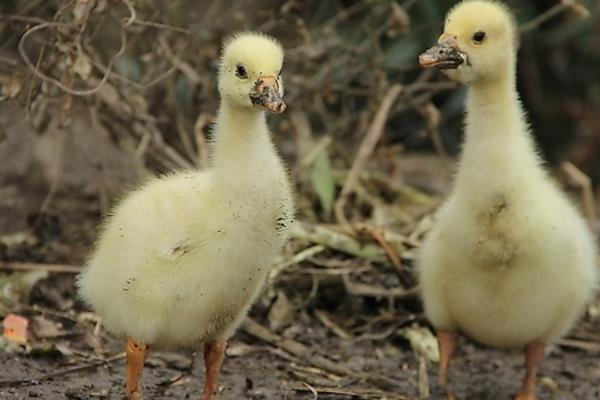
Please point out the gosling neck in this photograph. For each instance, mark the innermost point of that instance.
(241, 138)
(496, 99)
(497, 139)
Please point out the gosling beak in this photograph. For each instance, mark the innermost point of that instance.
(444, 55)
(266, 94)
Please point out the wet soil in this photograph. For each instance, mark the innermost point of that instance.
(477, 374)
(383, 364)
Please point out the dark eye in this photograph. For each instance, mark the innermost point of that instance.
(478, 37)
(241, 72)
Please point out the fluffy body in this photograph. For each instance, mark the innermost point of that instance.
(181, 259)
(509, 260)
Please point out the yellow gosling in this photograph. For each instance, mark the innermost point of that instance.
(509, 262)
(180, 260)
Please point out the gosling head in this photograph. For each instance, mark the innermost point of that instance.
(250, 72)
(478, 44)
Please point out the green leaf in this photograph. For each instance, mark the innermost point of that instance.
(321, 178)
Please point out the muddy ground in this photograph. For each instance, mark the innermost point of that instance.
(263, 373)
(66, 357)
(478, 374)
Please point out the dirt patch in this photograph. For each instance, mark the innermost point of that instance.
(262, 372)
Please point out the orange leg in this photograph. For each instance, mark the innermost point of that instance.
(448, 343)
(534, 353)
(214, 351)
(136, 355)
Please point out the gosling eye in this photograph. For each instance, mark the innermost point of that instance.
(479, 37)
(240, 71)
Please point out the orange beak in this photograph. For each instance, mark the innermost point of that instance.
(266, 94)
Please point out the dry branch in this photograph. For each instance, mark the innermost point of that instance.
(366, 148)
(29, 266)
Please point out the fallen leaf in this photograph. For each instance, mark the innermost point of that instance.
(281, 313)
(549, 383)
(15, 328)
(238, 349)
(422, 341)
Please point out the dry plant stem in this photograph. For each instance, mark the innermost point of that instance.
(548, 14)
(432, 116)
(25, 266)
(172, 154)
(214, 351)
(334, 327)
(56, 82)
(136, 355)
(589, 346)
(309, 373)
(389, 250)
(297, 349)
(62, 372)
(305, 354)
(201, 143)
(33, 83)
(583, 183)
(363, 289)
(534, 353)
(158, 25)
(312, 390)
(328, 237)
(367, 146)
(177, 62)
(185, 137)
(297, 258)
(357, 393)
(316, 150)
(106, 70)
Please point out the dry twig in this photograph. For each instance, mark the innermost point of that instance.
(366, 148)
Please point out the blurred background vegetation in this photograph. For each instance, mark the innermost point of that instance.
(98, 94)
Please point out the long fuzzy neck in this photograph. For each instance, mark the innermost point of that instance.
(241, 145)
(498, 146)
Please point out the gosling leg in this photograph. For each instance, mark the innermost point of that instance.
(534, 353)
(447, 343)
(136, 355)
(214, 351)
